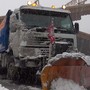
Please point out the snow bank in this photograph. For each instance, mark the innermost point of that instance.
(3, 88)
(33, 88)
(22, 87)
(63, 84)
(72, 55)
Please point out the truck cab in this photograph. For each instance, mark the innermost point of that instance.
(31, 33)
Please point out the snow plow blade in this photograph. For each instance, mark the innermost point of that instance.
(70, 68)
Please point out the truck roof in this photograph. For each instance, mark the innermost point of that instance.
(45, 8)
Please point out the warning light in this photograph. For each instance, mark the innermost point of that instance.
(29, 3)
(64, 7)
(52, 6)
(34, 4)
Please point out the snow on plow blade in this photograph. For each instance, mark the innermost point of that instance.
(67, 67)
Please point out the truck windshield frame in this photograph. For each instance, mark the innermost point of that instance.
(43, 18)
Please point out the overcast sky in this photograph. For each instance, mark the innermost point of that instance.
(12, 4)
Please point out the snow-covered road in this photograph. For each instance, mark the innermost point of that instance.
(9, 85)
(59, 84)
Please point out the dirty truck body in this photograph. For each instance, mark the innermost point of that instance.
(29, 42)
(29, 45)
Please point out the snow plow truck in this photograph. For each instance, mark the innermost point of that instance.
(31, 40)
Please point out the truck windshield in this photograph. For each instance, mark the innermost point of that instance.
(42, 18)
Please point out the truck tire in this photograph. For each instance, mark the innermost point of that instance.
(3, 63)
(12, 71)
(4, 59)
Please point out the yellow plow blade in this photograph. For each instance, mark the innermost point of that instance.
(67, 68)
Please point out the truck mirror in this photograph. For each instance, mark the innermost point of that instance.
(76, 27)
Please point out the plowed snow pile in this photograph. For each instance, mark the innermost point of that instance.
(63, 84)
(72, 55)
(3, 88)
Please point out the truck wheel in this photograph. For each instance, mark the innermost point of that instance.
(12, 71)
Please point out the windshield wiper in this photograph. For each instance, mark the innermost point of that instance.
(60, 29)
(38, 28)
(63, 30)
(41, 29)
(33, 26)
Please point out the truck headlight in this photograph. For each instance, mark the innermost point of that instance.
(29, 3)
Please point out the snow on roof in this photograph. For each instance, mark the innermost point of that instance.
(72, 55)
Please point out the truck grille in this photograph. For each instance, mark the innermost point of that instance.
(45, 51)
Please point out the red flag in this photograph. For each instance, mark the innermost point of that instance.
(51, 33)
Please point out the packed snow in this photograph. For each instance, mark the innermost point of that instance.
(3, 88)
(72, 55)
(58, 84)
(22, 87)
(63, 84)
